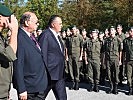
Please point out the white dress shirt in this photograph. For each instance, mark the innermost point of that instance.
(56, 36)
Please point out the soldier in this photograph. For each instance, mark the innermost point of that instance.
(68, 32)
(106, 33)
(7, 49)
(121, 37)
(83, 70)
(102, 59)
(128, 49)
(92, 57)
(73, 54)
(113, 49)
(63, 38)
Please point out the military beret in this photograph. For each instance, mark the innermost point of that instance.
(111, 27)
(101, 33)
(5, 11)
(95, 31)
(72, 26)
(130, 28)
(119, 25)
(63, 29)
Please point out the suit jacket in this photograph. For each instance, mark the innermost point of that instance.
(29, 69)
(7, 55)
(52, 55)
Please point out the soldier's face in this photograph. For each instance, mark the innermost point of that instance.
(84, 33)
(101, 36)
(63, 34)
(106, 32)
(94, 35)
(112, 32)
(74, 30)
(4, 22)
(68, 32)
(119, 29)
(131, 32)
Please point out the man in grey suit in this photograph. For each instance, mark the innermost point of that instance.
(7, 50)
(53, 56)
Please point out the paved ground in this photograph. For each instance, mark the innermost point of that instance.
(83, 94)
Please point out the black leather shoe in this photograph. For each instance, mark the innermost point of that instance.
(121, 84)
(91, 88)
(115, 90)
(96, 89)
(130, 91)
(73, 86)
(109, 92)
(102, 82)
(111, 89)
(76, 86)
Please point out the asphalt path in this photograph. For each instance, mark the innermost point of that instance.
(83, 94)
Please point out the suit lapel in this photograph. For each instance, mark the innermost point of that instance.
(27, 38)
(56, 41)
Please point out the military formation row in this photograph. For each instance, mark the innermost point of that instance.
(103, 55)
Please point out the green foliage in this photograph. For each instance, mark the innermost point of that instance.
(83, 13)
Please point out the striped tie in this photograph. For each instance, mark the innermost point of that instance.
(35, 41)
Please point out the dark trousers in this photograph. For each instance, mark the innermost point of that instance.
(93, 71)
(58, 88)
(130, 73)
(74, 66)
(113, 71)
(35, 96)
(122, 72)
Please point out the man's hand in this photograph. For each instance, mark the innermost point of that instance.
(23, 96)
(67, 58)
(120, 63)
(13, 24)
(80, 58)
(86, 62)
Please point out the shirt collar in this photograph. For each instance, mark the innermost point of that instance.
(28, 33)
(53, 31)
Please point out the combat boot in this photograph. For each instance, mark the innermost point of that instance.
(96, 88)
(115, 90)
(72, 87)
(76, 86)
(130, 91)
(91, 88)
(111, 89)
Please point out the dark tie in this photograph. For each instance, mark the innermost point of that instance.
(60, 42)
(35, 41)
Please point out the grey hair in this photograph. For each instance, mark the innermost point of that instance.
(24, 18)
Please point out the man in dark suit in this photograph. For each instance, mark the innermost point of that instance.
(30, 77)
(53, 55)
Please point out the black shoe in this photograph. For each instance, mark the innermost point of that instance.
(130, 91)
(73, 86)
(91, 88)
(102, 83)
(115, 90)
(76, 86)
(96, 89)
(109, 92)
(111, 89)
(121, 84)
